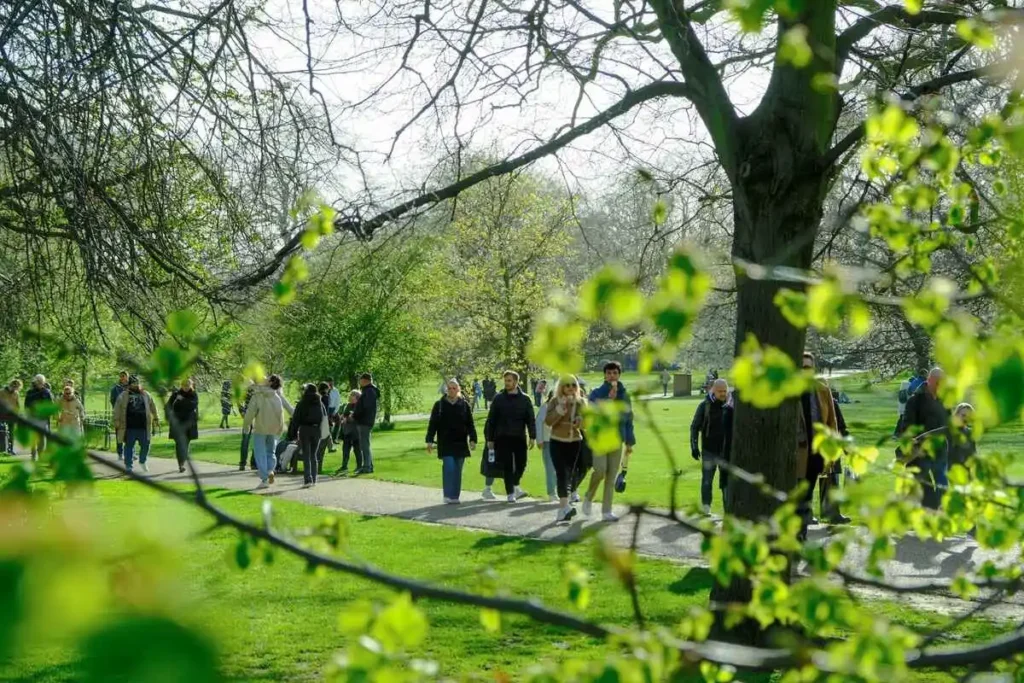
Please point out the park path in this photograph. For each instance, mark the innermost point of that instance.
(915, 560)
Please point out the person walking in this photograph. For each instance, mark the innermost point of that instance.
(326, 442)
(490, 391)
(365, 415)
(38, 395)
(564, 416)
(478, 393)
(350, 433)
(246, 431)
(606, 465)
(509, 421)
(711, 440)
(225, 404)
(963, 447)
(71, 416)
(115, 393)
(333, 407)
(451, 422)
(539, 391)
(264, 416)
(902, 397)
(183, 420)
(831, 512)
(135, 420)
(816, 407)
(927, 413)
(310, 415)
(10, 404)
(544, 444)
(666, 378)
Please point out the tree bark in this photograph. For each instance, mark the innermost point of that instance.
(778, 195)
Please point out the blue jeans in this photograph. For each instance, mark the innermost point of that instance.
(451, 476)
(933, 469)
(133, 436)
(708, 467)
(364, 446)
(549, 470)
(265, 446)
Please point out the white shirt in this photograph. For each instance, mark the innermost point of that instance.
(334, 399)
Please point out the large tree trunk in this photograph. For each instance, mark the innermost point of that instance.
(778, 195)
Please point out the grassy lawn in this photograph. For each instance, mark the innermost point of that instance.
(400, 454)
(276, 622)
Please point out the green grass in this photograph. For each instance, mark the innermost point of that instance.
(276, 622)
(400, 456)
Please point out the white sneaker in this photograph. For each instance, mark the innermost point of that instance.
(519, 493)
(587, 506)
(512, 498)
(488, 494)
(145, 467)
(706, 509)
(610, 517)
(263, 485)
(554, 498)
(575, 497)
(565, 514)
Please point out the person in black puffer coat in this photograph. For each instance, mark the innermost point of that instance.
(183, 419)
(451, 421)
(309, 415)
(712, 429)
(38, 395)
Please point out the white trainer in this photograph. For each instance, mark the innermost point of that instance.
(488, 494)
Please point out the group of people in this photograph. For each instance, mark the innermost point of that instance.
(512, 429)
(316, 423)
(70, 414)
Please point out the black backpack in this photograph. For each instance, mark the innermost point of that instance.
(136, 409)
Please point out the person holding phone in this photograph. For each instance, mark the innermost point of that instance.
(606, 465)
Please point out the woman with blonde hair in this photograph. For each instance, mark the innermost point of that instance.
(71, 417)
(565, 418)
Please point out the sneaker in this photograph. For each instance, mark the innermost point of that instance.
(306, 484)
(610, 517)
(519, 493)
(343, 472)
(270, 478)
(839, 518)
(706, 509)
(512, 498)
(587, 506)
(574, 498)
(145, 467)
(181, 469)
(553, 498)
(120, 456)
(262, 485)
(488, 494)
(565, 514)
(241, 468)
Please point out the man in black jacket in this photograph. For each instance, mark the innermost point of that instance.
(365, 414)
(712, 426)
(509, 421)
(926, 411)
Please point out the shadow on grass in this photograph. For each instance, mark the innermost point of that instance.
(696, 581)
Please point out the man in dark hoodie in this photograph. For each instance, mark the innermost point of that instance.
(509, 421)
(365, 417)
(712, 428)
(926, 412)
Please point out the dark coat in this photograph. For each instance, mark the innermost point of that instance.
(712, 427)
(35, 395)
(366, 408)
(115, 393)
(510, 415)
(183, 412)
(452, 424)
(310, 411)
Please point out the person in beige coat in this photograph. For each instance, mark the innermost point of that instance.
(72, 413)
(564, 417)
(265, 416)
(135, 420)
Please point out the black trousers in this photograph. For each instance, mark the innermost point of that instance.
(181, 448)
(565, 457)
(510, 451)
(309, 443)
(349, 443)
(246, 438)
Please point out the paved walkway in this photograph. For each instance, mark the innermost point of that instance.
(915, 560)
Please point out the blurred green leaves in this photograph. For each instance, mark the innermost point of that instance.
(145, 649)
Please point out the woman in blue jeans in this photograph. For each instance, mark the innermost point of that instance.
(451, 421)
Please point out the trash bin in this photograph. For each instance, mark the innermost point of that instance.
(682, 384)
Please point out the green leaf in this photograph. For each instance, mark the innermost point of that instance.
(144, 649)
(182, 323)
(793, 47)
(766, 376)
(611, 294)
(1006, 384)
(659, 213)
(284, 293)
(355, 619)
(577, 582)
(749, 13)
(913, 6)
(976, 33)
(69, 464)
(490, 619)
(310, 237)
(400, 626)
(793, 306)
